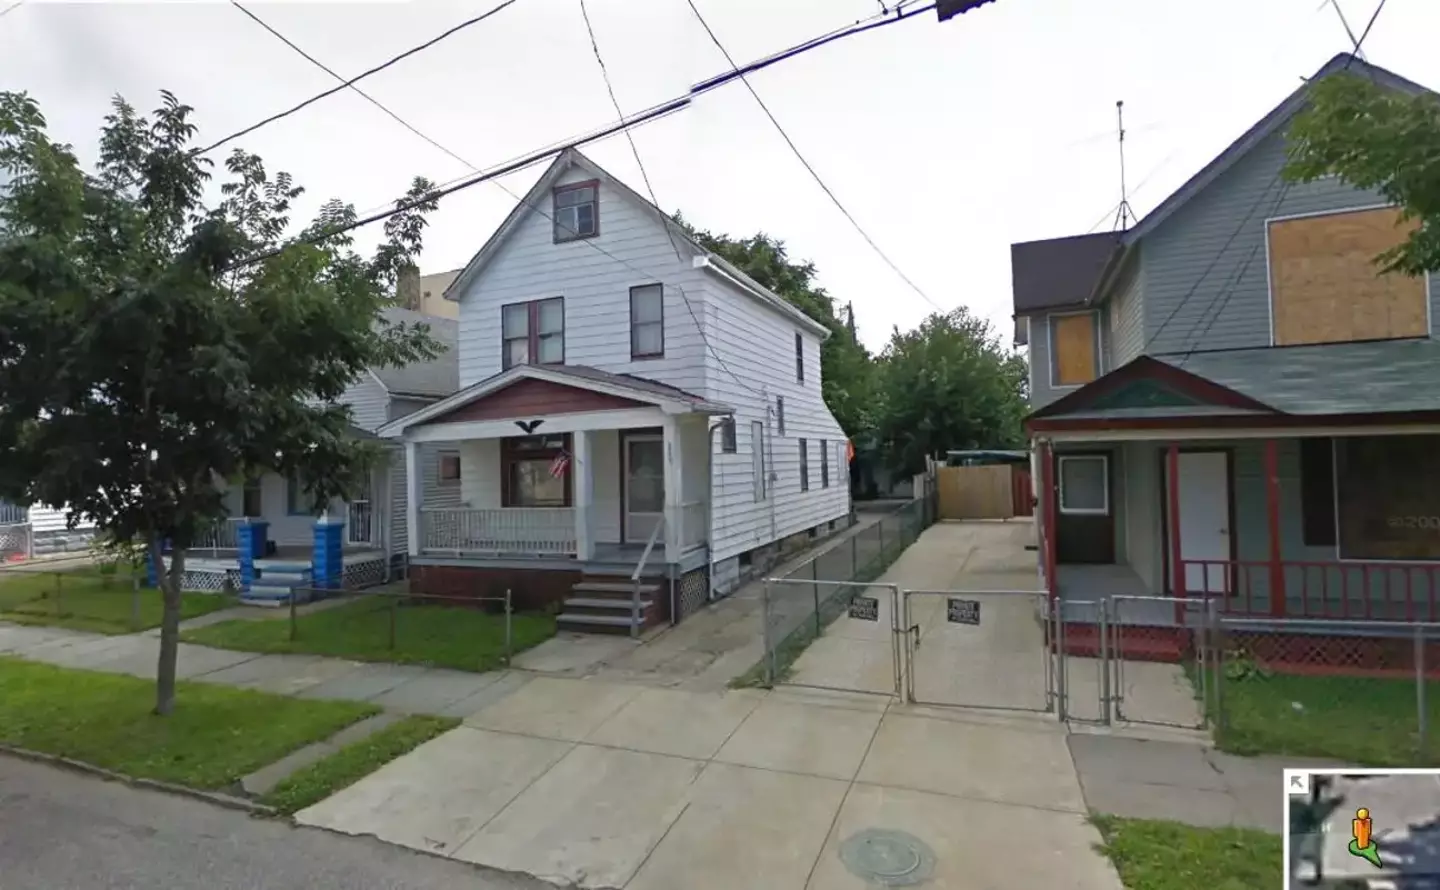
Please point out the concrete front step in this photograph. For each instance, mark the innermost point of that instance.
(271, 595)
(615, 588)
(285, 579)
(587, 623)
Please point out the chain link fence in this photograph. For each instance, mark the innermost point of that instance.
(802, 602)
(82, 594)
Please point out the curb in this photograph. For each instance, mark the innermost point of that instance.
(214, 797)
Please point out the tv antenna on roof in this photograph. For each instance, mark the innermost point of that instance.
(1124, 214)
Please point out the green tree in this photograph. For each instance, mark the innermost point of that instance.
(145, 361)
(948, 384)
(846, 367)
(1375, 138)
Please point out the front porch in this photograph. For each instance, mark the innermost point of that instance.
(599, 481)
(1313, 534)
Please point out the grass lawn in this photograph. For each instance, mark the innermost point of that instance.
(355, 761)
(467, 639)
(1156, 855)
(91, 600)
(215, 736)
(1360, 720)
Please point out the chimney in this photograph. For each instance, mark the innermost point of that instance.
(407, 287)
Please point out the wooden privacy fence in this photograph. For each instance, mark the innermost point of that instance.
(986, 492)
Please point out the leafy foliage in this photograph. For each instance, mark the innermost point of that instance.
(145, 359)
(1374, 138)
(948, 384)
(846, 367)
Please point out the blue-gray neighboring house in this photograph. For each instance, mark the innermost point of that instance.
(1232, 402)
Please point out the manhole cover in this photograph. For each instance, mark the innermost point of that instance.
(887, 858)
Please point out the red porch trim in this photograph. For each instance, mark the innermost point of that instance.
(1147, 368)
(1272, 514)
(1232, 421)
(1172, 463)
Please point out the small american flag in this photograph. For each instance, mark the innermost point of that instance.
(559, 465)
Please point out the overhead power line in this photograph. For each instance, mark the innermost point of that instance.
(11, 8)
(653, 113)
(805, 163)
(359, 77)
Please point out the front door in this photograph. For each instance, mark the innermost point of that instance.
(1204, 518)
(644, 486)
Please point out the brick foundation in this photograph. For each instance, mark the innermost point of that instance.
(531, 590)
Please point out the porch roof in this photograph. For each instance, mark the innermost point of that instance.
(623, 390)
(1394, 380)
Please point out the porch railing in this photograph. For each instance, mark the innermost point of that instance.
(527, 531)
(691, 519)
(1370, 590)
(220, 536)
(360, 523)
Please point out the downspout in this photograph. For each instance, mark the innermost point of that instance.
(769, 470)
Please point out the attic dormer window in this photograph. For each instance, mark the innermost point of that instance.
(577, 211)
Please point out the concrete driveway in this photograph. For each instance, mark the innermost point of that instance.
(614, 785)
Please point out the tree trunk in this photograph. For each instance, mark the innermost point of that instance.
(169, 582)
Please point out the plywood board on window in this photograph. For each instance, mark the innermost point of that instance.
(975, 492)
(1326, 288)
(1074, 346)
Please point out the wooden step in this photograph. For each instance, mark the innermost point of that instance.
(612, 588)
(586, 623)
(609, 605)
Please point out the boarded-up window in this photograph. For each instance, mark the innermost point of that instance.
(1075, 353)
(1326, 288)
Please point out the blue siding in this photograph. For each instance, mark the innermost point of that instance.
(1236, 291)
(1126, 314)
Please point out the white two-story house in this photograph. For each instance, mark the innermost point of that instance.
(1236, 408)
(638, 422)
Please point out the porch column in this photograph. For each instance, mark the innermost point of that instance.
(1172, 504)
(582, 491)
(1272, 515)
(673, 479)
(1046, 516)
(413, 531)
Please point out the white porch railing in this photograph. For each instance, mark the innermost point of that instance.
(532, 531)
(690, 521)
(360, 523)
(220, 536)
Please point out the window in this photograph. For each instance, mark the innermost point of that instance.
(727, 435)
(577, 211)
(251, 504)
(824, 465)
(536, 471)
(533, 333)
(647, 321)
(804, 466)
(1317, 492)
(1085, 484)
(1074, 349)
(449, 466)
(1387, 497)
(298, 501)
(799, 358)
(779, 416)
(757, 458)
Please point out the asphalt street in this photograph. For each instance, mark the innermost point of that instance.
(63, 829)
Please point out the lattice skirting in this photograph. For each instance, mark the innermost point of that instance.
(691, 593)
(366, 573)
(210, 580)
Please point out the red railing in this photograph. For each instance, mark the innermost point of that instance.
(1316, 589)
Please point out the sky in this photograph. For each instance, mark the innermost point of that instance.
(947, 142)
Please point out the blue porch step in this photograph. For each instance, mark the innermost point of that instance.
(276, 584)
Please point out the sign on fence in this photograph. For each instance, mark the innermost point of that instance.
(959, 611)
(865, 608)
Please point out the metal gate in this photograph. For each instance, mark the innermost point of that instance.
(861, 650)
(1160, 657)
(987, 649)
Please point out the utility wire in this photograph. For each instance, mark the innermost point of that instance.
(805, 163)
(11, 8)
(359, 77)
(653, 113)
(522, 199)
(665, 222)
